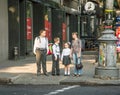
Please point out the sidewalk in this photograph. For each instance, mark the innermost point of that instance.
(24, 72)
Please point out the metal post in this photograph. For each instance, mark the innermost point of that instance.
(107, 68)
(79, 10)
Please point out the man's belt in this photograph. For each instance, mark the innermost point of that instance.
(41, 49)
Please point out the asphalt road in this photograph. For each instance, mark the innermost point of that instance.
(58, 90)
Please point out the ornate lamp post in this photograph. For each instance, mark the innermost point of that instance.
(106, 68)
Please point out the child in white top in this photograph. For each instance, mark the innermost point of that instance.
(65, 58)
(55, 57)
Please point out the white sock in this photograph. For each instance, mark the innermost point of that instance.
(65, 73)
(68, 72)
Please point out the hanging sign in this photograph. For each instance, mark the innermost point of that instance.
(48, 28)
(64, 31)
(29, 28)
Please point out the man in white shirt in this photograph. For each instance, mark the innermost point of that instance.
(40, 50)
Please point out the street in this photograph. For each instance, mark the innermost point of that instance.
(34, 35)
(58, 90)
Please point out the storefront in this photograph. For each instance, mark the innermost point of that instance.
(89, 24)
(22, 23)
(27, 18)
(14, 26)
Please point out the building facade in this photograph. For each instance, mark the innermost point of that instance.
(21, 21)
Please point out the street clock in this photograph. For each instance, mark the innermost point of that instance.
(89, 6)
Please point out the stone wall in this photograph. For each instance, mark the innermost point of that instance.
(3, 30)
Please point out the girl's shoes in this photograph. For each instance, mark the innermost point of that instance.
(78, 75)
(74, 75)
(66, 74)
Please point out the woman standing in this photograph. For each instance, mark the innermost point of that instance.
(76, 52)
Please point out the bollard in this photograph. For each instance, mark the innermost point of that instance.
(15, 53)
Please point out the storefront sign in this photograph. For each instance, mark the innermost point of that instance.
(89, 6)
(63, 31)
(48, 29)
(29, 28)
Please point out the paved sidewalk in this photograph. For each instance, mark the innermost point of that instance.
(24, 72)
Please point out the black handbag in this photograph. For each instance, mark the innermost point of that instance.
(79, 66)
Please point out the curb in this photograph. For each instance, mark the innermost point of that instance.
(5, 81)
(87, 84)
(90, 83)
(9, 80)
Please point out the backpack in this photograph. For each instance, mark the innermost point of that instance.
(50, 52)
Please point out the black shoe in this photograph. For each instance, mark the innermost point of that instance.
(58, 74)
(78, 75)
(65, 75)
(74, 75)
(68, 74)
(46, 74)
(53, 74)
(38, 73)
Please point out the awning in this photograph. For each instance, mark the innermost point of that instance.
(48, 3)
(70, 10)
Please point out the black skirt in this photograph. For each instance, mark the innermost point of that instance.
(66, 60)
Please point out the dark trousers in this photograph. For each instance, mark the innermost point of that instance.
(41, 60)
(55, 65)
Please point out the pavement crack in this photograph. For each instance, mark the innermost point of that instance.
(16, 77)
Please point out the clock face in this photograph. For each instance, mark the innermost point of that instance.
(89, 6)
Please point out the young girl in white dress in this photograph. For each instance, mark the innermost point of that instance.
(65, 58)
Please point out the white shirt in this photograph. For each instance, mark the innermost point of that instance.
(40, 42)
(65, 52)
(56, 50)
